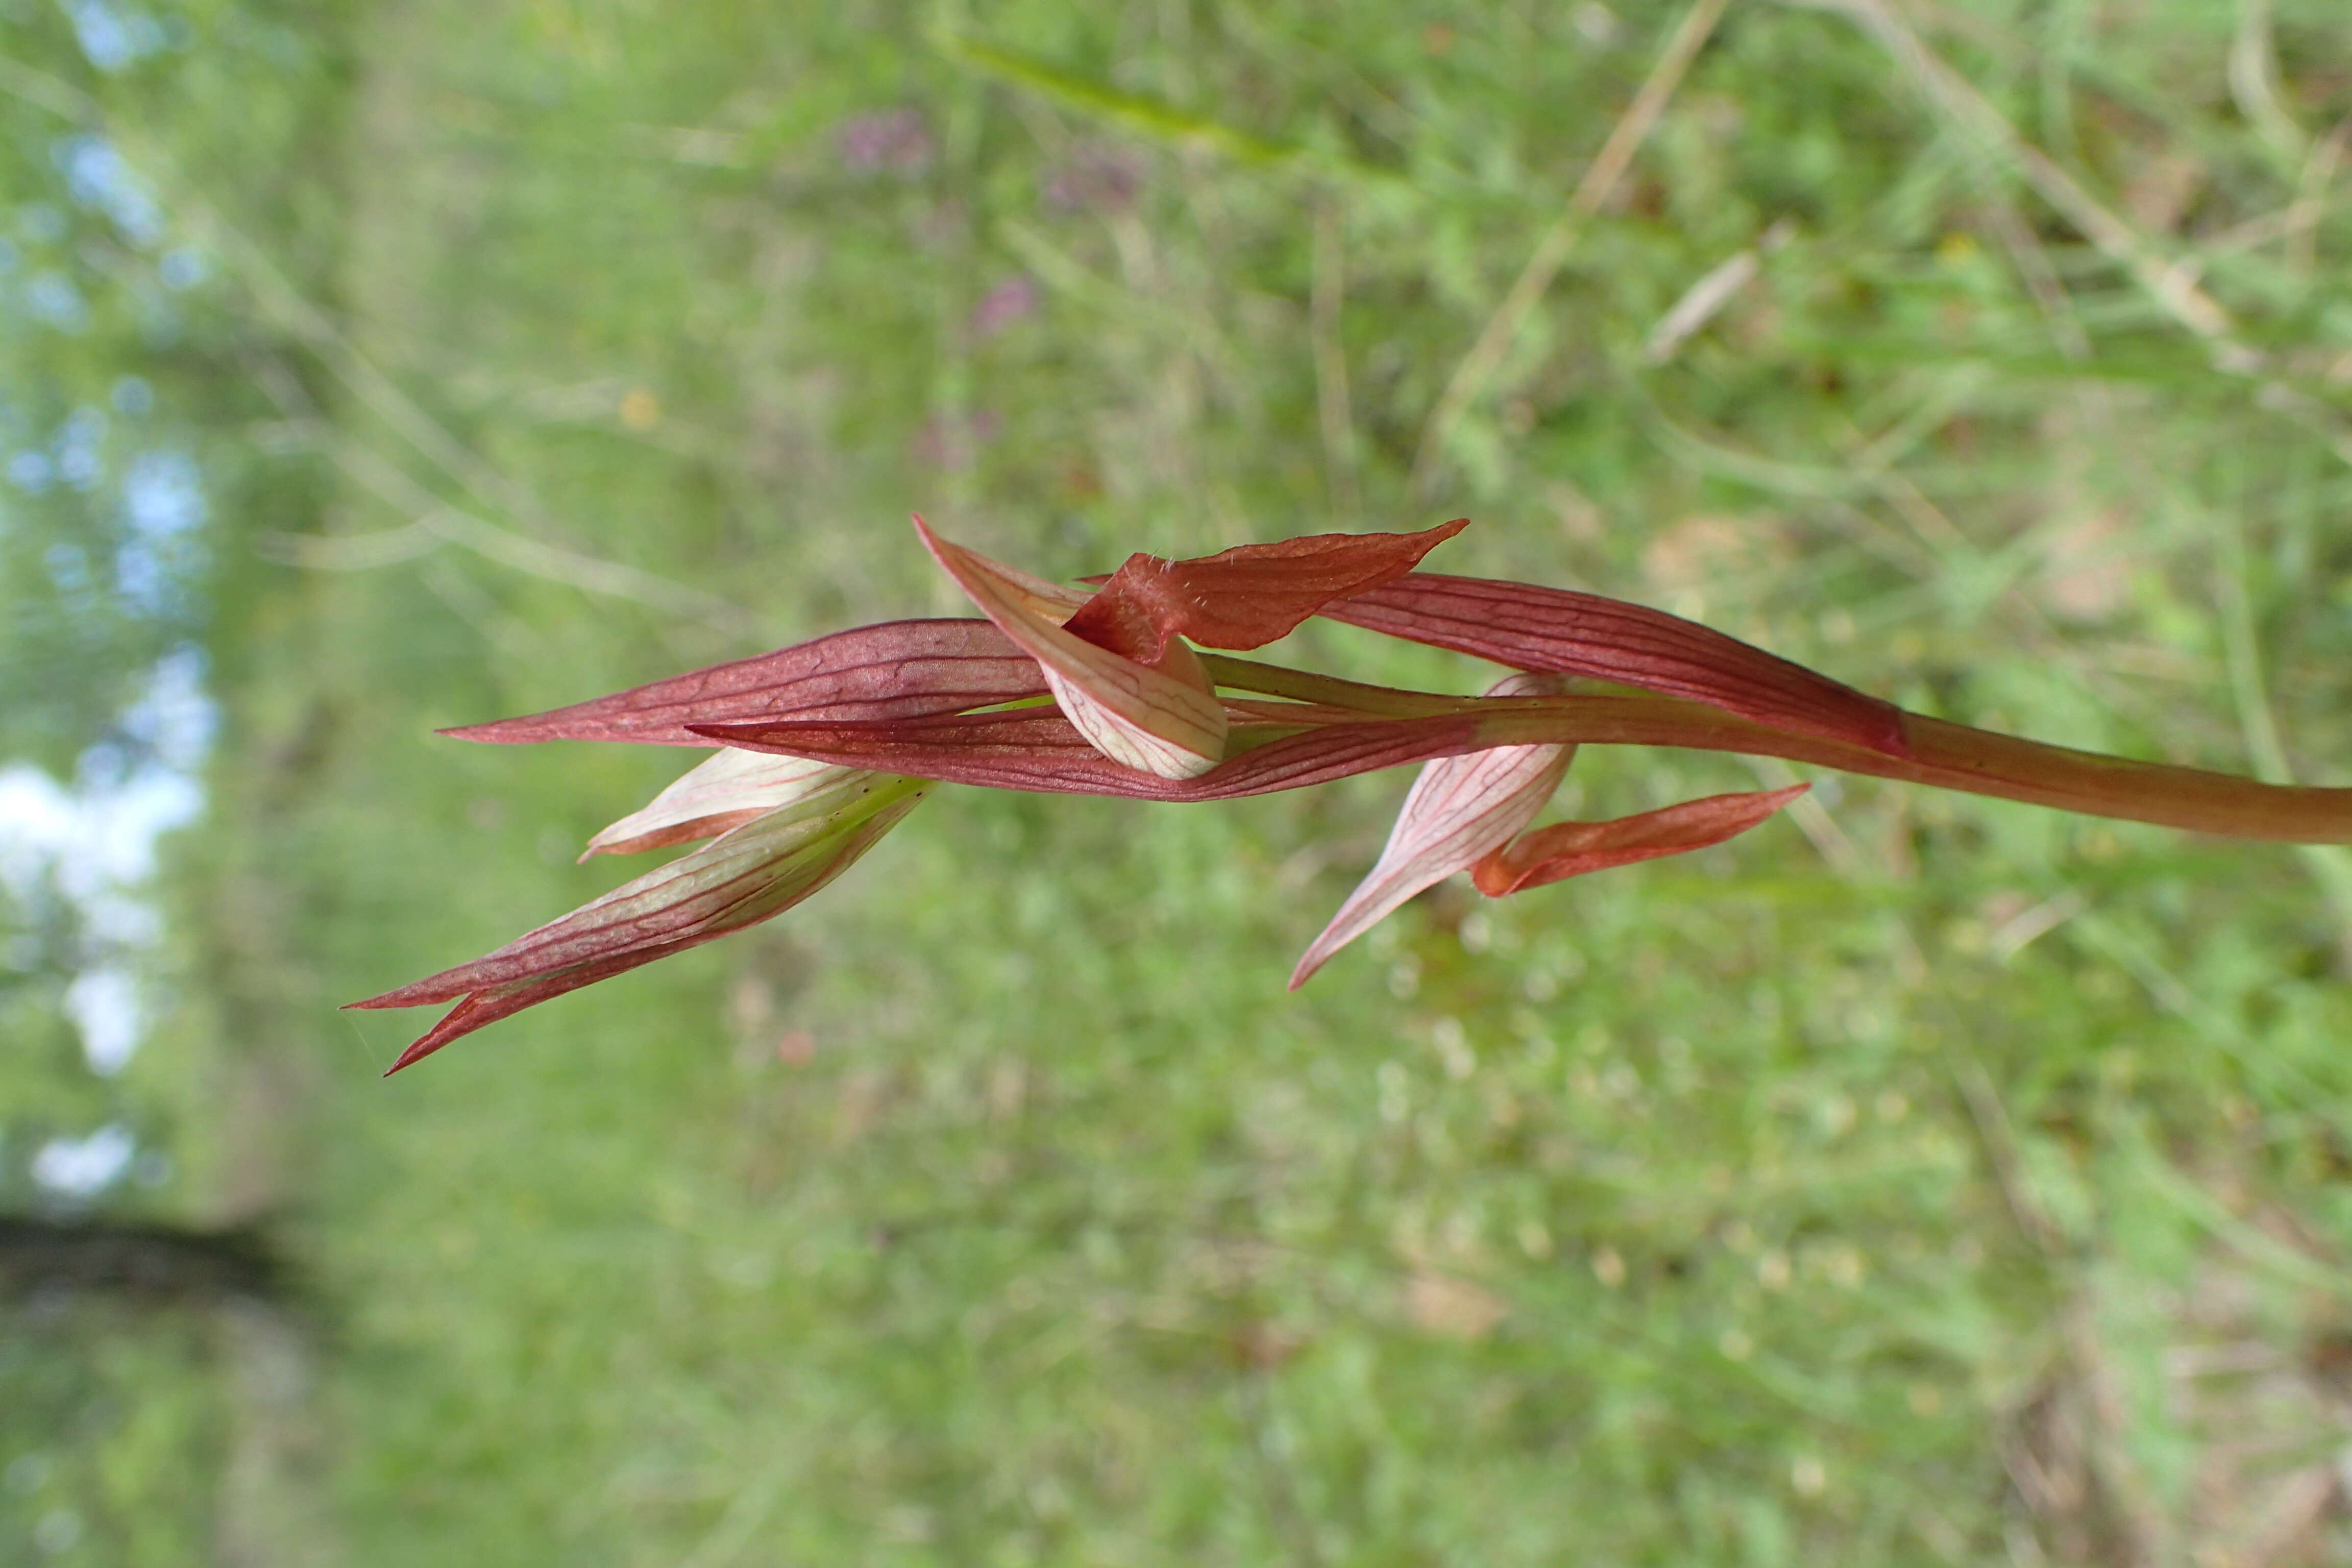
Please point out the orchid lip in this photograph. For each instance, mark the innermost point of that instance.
(1161, 719)
(1461, 810)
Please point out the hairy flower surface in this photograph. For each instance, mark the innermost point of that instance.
(827, 745)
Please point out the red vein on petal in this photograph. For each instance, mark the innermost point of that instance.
(1459, 809)
(1568, 850)
(724, 791)
(702, 891)
(483, 1007)
(1164, 721)
(486, 1003)
(1532, 627)
(716, 825)
(644, 913)
(896, 669)
(1038, 750)
(1947, 756)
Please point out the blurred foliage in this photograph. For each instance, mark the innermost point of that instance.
(105, 1411)
(1922, 1179)
(124, 370)
(132, 376)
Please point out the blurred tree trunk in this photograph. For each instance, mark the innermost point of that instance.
(161, 1263)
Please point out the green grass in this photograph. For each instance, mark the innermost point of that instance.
(1918, 1179)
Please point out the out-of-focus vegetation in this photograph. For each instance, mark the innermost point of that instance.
(1920, 1179)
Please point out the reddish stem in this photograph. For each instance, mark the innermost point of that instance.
(1976, 762)
(1946, 755)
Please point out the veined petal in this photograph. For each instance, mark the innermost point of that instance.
(757, 871)
(1568, 850)
(1054, 602)
(478, 1009)
(728, 883)
(1247, 596)
(1039, 750)
(898, 669)
(1532, 627)
(718, 796)
(1163, 721)
(1459, 809)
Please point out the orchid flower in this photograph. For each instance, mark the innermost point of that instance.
(1460, 810)
(823, 747)
(745, 875)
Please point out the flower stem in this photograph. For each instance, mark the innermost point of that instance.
(1329, 691)
(1943, 754)
(1956, 757)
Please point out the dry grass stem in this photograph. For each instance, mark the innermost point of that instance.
(2312, 188)
(1704, 299)
(2255, 83)
(2169, 281)
(1599, 183)
(1331, 406)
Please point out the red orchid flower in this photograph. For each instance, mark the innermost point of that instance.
(826, 745)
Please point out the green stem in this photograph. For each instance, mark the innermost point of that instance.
(1329, 690)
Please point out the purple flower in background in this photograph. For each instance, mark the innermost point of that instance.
(896, 141)
(1097, 178)
(953, 444)
(1015, 299)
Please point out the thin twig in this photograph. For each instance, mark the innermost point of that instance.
(1998, 1139)
(1700, 303)
(349, 552)
(1599, 183)
(590, 573)
(293, 312)
(2255, 83)
(433, 523)
(1332, 403)
(1812, 819)
(2042, 280)
(2311, 196)
(1716, 288)
(2084, 1356)
(2022, 930)
(2330, 867)
(2171, 282)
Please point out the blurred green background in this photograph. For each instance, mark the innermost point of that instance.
(1920, 1179)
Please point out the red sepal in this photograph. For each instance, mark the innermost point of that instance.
(1568, 850)
(1247, 596)
(1037, 749)
(1531, 627)
(898, 670)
